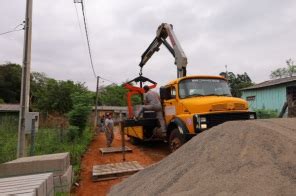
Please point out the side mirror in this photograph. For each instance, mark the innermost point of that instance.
(164, 93)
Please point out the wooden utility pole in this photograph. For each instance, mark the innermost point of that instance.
(25, 86)
(96, 108)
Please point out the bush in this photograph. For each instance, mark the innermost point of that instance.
(72, 134)
(8, 137)
(81, 109)
(266, 113)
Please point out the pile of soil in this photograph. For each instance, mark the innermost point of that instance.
(255, 157)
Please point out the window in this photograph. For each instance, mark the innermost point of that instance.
(173, 92)
(194, 87)
(250, 98)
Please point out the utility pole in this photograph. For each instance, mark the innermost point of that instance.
(25, 86)
(226, 73)
(96, 108)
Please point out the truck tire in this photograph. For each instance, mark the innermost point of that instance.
(176, 140)
(134, 140)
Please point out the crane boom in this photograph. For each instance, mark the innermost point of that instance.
(166, 30)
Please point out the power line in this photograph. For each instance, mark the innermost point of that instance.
(15, 29)
(108, 80)
(87, 39)
(78, 20)
(10, 31)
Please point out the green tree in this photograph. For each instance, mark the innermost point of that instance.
(82, 104)
(291, 67)
(237, 82)
(283, 72)
(10, 82)
(55, 96)
(115, 95)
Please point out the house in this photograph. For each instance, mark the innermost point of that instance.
(272, 94)
(116, 111)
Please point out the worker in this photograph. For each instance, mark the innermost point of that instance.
(152, 103)
(102, 123)
(109, 125)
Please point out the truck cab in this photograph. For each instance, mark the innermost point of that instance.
(192, 104)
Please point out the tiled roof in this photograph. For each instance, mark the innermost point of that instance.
(272, 83)
(9, 107)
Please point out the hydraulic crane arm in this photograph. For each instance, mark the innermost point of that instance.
(166, 30)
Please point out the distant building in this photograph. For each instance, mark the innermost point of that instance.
(114, 110)
(272, 94)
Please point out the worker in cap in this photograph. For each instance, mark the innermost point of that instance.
(109, 126)
(152, 102)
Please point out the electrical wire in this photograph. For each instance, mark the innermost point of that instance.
(87, 38)
(77, 15)
(108, 80)
(15, 29)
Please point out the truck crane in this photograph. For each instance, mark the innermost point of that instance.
(166, 30)
(191, 104)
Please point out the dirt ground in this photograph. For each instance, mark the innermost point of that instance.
(145, 154)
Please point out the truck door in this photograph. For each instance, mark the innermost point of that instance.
(170, 104)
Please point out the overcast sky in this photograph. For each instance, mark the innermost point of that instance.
(247, 35)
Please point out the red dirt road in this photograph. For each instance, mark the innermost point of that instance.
(145, 154)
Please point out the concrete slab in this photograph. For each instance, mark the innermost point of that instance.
(114, 170)
(115, 150)
(63, 183)
(38, 184)
(55, 163)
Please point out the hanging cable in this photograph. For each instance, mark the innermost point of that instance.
(77, 15)
(15, 29)
(108, 80)
(87, 38)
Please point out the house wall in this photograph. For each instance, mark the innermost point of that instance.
(269, 98)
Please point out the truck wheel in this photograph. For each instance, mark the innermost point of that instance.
(134, 140)
(176, 140)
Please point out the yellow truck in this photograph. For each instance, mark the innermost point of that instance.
(191, 104)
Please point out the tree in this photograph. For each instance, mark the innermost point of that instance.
(115, 95)
(10, 82)
(291, 69)
(288, 71)
(82, 103)
(237, 82)
(55, 96)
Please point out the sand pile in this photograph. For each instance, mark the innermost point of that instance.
(235, 158)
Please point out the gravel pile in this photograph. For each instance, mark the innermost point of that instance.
(236, 158)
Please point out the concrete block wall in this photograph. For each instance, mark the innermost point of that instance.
(37, 185)
(55, 163)
(63, 183)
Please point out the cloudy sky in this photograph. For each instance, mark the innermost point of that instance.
(247, 35)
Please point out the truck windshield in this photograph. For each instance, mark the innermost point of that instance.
(203, 87)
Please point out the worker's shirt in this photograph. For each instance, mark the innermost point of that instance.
(109, 123)
(151, 98)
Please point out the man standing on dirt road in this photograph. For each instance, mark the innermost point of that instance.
(109, 125)
(152, 102)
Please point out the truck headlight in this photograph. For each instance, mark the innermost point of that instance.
(203, 119)
(201, 122)
(204, 126)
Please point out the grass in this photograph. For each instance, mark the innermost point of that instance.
(8, 137)
(47, 141)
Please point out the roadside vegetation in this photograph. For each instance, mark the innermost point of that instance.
(64, 108)
(266, 113)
